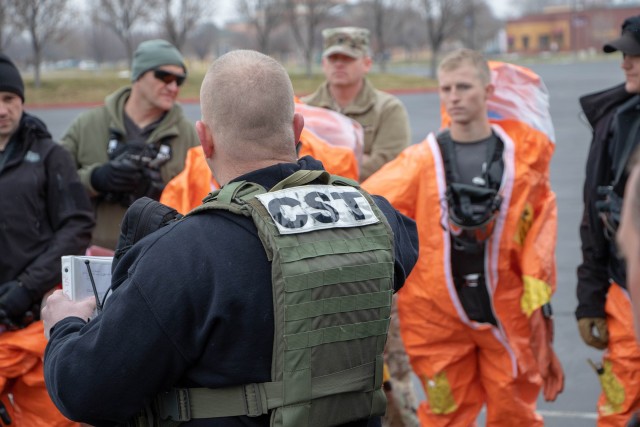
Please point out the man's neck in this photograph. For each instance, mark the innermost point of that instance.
(470, 132)
(141, 112)
(4, 141)
(344, 95)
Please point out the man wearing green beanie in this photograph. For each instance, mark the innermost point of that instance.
(134, 144)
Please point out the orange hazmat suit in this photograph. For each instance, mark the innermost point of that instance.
(463, 364)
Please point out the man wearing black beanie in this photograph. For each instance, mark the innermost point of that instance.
(11, 80)
(44, 214)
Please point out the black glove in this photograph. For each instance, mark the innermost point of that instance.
(15, 300)
(634, 421)
(119, 175)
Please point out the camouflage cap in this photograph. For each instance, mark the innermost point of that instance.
(350, 41)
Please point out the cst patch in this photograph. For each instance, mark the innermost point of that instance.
(317, 207)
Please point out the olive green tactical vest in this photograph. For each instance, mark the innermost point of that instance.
(332, 288)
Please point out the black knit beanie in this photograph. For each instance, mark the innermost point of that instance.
(10, 79)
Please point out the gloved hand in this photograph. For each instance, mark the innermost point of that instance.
(548, 362)
(586, 327)
(15, 300)
(119, 175)
(634, 421)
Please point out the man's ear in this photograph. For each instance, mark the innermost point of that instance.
(298, 125)
(205, 137)
(490, 90)
(368, 62)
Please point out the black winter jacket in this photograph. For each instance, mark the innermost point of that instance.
(599, 262)
(194, 310)
(44, 210)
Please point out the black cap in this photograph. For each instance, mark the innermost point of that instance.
(629, 42)
(10, 79)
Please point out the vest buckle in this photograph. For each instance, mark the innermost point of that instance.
(175, 405)
(253, 400)
(472, 280)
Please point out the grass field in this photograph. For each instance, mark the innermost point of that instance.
(73, 86)
(79, 87)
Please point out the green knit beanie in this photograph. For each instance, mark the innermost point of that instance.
(151, 54)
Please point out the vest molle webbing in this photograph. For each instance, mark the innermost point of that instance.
(332, 274)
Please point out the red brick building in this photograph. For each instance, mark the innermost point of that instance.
(564, 29)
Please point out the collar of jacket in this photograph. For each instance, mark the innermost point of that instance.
(598, 104)
(364, 101)
(271, 175)
(29, 130)
(114, 103)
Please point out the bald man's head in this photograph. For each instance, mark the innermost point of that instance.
(246, 100)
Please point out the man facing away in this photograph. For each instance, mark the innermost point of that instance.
(475, 315)
(44, 214)
(604, 311)
(265, 307)
(346, 60)
(134, 144)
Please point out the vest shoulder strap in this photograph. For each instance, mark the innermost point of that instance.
(232, 197)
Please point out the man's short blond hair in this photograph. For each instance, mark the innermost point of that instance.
(459, 57)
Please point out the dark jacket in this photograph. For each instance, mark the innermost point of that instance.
(44, 210)
(194, 310)
(599, 262)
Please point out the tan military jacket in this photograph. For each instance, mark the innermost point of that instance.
(383, 118)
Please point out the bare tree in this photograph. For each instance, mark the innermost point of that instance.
(9, 26)
(409, 32)
(305, 17)
(46, 22)
(102, 44)
(5, 27)
(264, 16)
(479, 23)
(122, 17)
(443, 19)
(204, 39)
(385, 16)
(179, 17)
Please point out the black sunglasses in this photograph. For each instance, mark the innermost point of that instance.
(168, 77)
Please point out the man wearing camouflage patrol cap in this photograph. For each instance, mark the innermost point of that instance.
(345, 61)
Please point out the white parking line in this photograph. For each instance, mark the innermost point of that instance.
(568, 414)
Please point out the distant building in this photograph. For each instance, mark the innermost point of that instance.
(565, 29)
